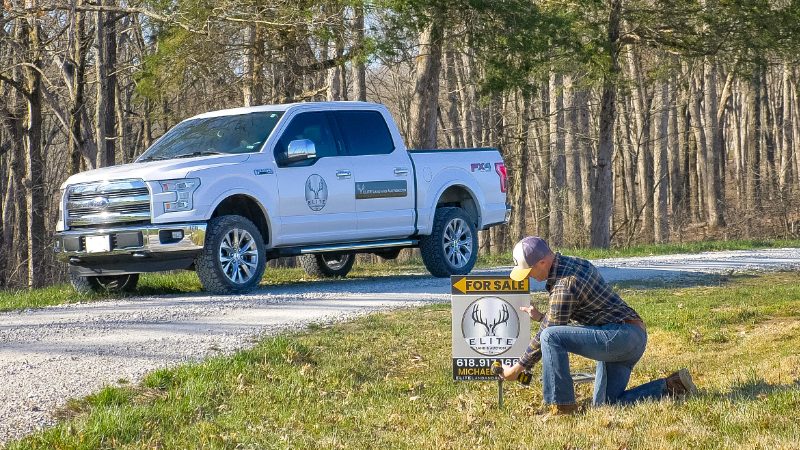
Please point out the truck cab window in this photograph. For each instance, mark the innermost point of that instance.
(313, 126)
(364, 133)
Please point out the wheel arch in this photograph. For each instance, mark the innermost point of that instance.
(245, 205)
(461, 196)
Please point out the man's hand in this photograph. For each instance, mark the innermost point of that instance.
(511, 373)
(533, 312)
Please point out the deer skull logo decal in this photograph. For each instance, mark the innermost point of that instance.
(490, 326)
(316, 192)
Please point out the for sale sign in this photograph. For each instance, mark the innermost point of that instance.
(487, 324)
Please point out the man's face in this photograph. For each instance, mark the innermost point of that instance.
(540, 270)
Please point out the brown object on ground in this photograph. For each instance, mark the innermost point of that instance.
(680, 383)
(560, 410)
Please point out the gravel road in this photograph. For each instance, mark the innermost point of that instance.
(50, 355)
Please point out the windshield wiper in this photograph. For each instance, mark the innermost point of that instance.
(203, 153)
(152, 158)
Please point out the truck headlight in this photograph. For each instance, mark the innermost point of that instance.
(184, 193)
(61, 218)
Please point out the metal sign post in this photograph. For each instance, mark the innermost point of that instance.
(487, 325)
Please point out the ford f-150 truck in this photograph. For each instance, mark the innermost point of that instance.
(223, 192)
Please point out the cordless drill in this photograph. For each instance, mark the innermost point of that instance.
(525, 377)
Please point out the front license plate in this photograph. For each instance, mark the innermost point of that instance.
(97, 244)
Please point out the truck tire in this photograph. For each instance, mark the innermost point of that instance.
(389, 254)
(233, 258)
(452, 246)
(104, 284)
(327, 265)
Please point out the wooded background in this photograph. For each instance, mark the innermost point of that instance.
(620, 121)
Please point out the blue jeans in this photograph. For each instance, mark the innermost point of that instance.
(615, 347)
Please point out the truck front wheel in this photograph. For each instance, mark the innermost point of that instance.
(327, 265)
(104, 284)
(233, 258)
(452, 247)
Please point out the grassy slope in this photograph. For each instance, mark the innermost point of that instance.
(184, 282)
(384, 381)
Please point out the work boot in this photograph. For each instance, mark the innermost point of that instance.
(552, 411)
(680, 384)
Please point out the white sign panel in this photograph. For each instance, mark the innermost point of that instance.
(487, 324)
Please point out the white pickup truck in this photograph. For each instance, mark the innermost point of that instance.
(223, 192)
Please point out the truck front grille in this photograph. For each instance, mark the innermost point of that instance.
(107, 203)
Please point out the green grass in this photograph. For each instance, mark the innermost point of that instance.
(655, 249)
(384, 381)
(187, 282)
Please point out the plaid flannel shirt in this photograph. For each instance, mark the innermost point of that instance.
(578, 294)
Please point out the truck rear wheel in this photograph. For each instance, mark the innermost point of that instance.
(233, 258)
(452, 246)
(104, 284)
(327, 265)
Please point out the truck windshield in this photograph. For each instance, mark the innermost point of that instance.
(244, 133)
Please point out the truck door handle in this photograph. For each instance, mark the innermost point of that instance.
(400, 171)
(343, 174)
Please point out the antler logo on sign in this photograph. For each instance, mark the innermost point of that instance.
(490, 326)
(316, 192)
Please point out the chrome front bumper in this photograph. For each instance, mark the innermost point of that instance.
(132, 240)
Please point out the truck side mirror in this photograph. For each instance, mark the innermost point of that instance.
(300, 149)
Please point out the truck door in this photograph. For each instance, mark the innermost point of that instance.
(384, 178)
(317, 195)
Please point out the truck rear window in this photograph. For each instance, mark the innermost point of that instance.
(364, 132)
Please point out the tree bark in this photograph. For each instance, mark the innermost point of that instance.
(574, 218)
(787, 116)
(360, 79)
(602, 190)
(557, 162)
(110, 122)
(586, 155)
(644, 160)
(253, 91)
(101, 106)
(424, 105)
(715, 149)
(34, 183)
(754, 144)
(660, 197)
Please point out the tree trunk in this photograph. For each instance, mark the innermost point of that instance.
(769, 140)
(586, 155)
(715, 196)
(13, 202)
(702, 149)
(110, 49)
(76, 66)
(754, 144)
(424, 105)
(34, 183)
(456, 131)
(101, 106)
(787, 116)
(360, 79)
(253, 91)
(661, 221)
(572, 150)
(518, 174)
(641, 107)
(557, 162)
(602, 190)
(675, 149)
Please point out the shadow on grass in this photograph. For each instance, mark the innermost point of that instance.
(688, 280)
(755, 389)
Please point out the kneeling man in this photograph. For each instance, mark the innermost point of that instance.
(585, 317)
